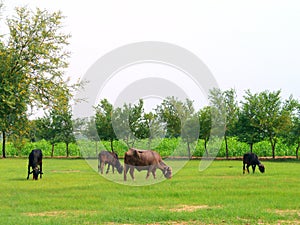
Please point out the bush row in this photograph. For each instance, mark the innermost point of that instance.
(166, 147)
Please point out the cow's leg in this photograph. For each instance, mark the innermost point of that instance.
(244, 169)
(126, 167)
(41, 170)
(253, 168)
(248, 168)
(154, 173)
(102, 167)
(28, 172)
(131, 172)
(113, 168)
(99, 165)
(150, 169)
(108, 168)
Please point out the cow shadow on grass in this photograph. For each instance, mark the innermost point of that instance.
(18, 179)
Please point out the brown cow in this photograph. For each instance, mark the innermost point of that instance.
(110, 158)
(145, 160)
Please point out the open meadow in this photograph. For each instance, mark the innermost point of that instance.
(71, 192)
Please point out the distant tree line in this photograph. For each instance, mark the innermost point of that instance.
(33, 58)
(260, 116)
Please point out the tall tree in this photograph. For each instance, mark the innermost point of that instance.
(103, 121)
(271, 117)
(190, 131)
(129, 123)
(32, 62)
(65, 127)
(180, 120)
(172, 112)
(47, 129)
(153, 128)
(205, 121)
(226, 106)
(292, 137)
(247, 129)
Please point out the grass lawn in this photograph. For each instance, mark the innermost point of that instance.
(71, 192)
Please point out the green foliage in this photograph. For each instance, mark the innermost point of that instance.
(166, 147)
(226, 109)
(173, 113)
(32, 59)
(269, 115)
(103, 122)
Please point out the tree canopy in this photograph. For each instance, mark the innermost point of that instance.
(33, 58)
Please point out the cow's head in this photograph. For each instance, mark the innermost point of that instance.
(167, 172)
(35, 173)
(119, 167)
(261, 168)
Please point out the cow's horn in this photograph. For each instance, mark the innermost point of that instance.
(166, 170)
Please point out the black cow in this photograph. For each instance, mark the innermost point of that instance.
(35, 162)
(251, 159)
(110, 158)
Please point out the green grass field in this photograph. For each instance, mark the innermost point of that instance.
(71, 192)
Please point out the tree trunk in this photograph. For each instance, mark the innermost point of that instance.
(3, 144)
(52, 151)
(67, 149)
(205, 147)
(189, 150)
(273, 144)
(226, 146)
(251, 147)
(112, 144)
(297, 151)
(149, 143)
(96, 145)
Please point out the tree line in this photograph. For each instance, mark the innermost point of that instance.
(34, 57)
(259, 116)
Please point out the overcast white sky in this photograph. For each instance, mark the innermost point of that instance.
(246, 44)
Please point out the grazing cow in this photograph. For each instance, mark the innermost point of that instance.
(35, 162)
(251, 159)
(145, 160)
(110, 158)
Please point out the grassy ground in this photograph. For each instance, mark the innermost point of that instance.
(71, 192)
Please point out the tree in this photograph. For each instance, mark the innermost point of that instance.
(225, 105)
(179, 119)
(190, 131)
(129, 123)
(293, 136)
(153, 127)
(19, 132)
(91, 132)
(65, 128)
(57, 124)
(46, 127)
(247, 129)
(32, 62)
(172, 113)
(205, 121)
(271, 117)
(103, 121)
